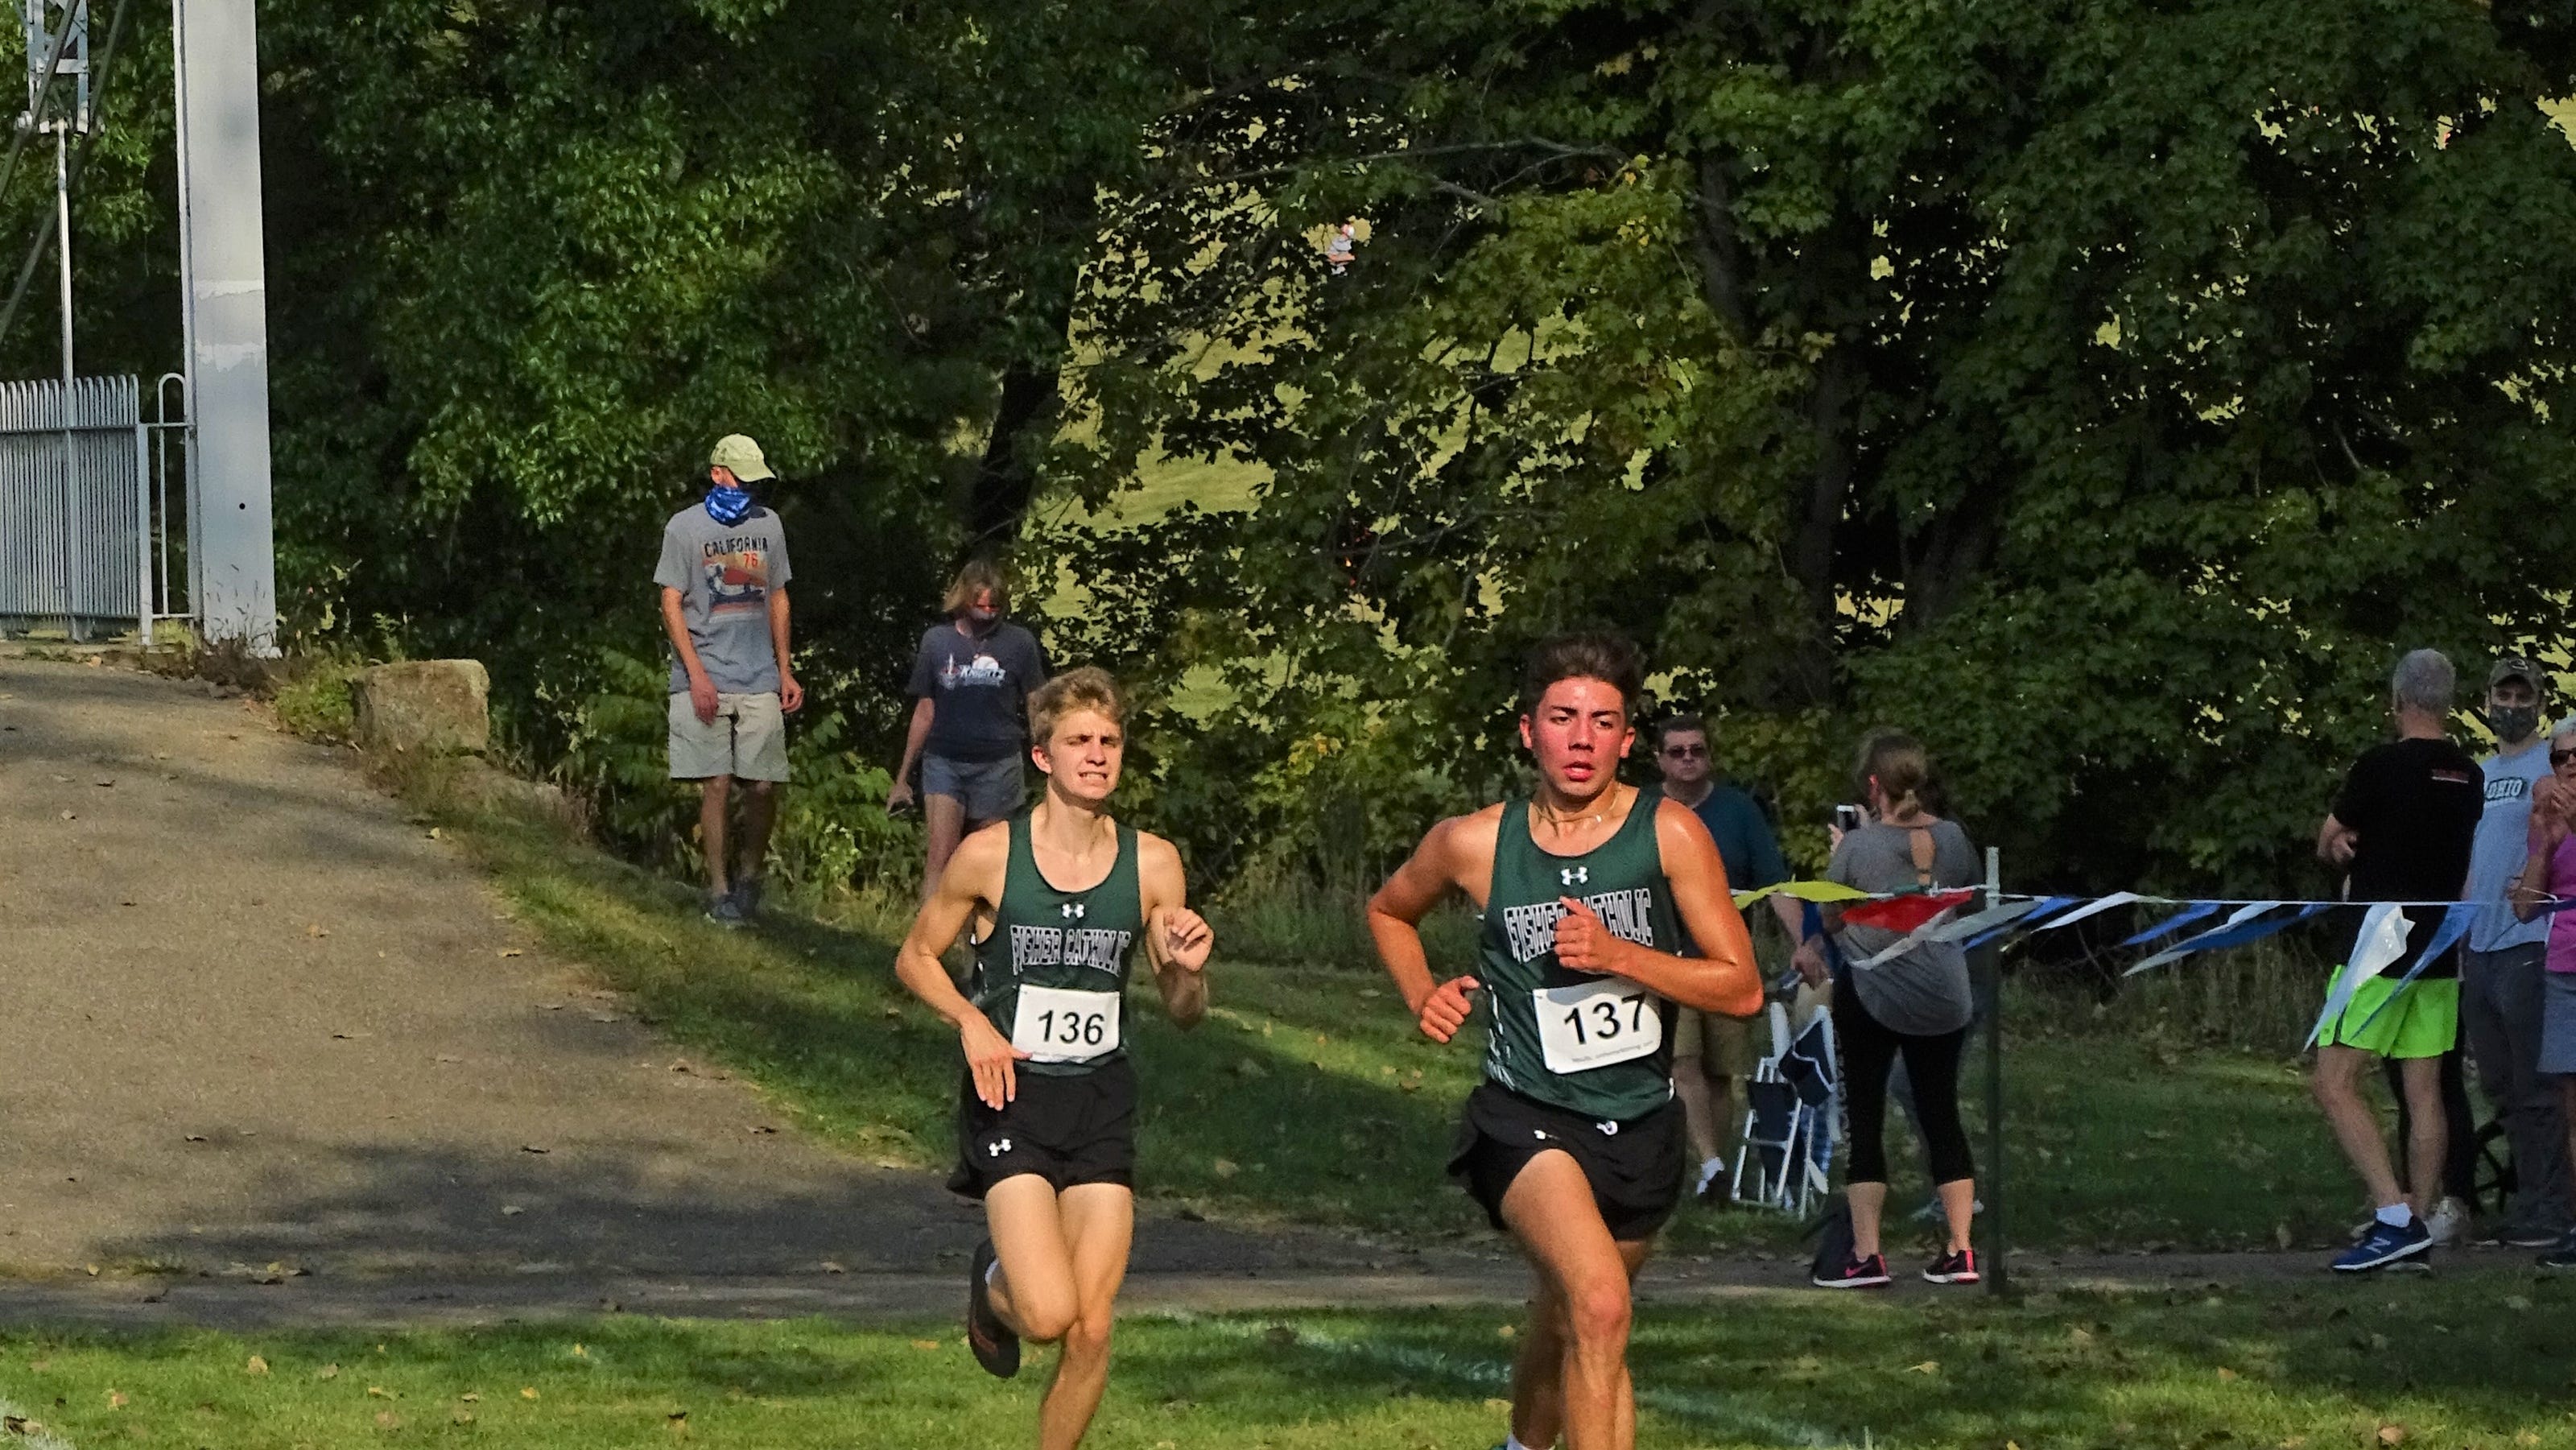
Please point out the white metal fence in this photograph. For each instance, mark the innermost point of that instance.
(76, 508)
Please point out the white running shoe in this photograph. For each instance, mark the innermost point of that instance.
(2449, 1223)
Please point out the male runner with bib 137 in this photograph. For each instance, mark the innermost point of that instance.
(1573, 1142)
(1046, 1120)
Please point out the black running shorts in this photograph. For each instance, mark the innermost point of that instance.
(1635, 1167)
(1078, 1128)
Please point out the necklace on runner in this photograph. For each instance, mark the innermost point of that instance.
(1548, 814)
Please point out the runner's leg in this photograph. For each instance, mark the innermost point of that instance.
(1100, 1223)
(2337, 1085)
(2430, 1131)
(1033, 1289)
(1549, 1208)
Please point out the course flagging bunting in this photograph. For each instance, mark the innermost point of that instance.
(2194, 912)
(2455, 925)
(1904, 913)
(2382, 940)
(2236, 932)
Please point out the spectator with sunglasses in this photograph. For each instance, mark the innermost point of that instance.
(2549, 874)
(1711, 1050)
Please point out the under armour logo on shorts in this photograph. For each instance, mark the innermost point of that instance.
(1574, 875)
(997, 1147)
(1539, 1133)
(1608, 1130)
(1073, 909)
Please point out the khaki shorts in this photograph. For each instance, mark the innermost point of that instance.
(1724, 1044)
(747, 740)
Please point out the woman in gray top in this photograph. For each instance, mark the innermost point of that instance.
(1915, 1004)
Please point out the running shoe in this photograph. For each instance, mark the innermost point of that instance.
(996, 1348)
(2562, 1255)
(2449, 1223)
(2533, 1235)
(1869, 1273)
(1959, 1266)
(746, 897)
(2384, 1245)
(1716, 1188)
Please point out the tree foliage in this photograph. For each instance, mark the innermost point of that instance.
(2109, 391)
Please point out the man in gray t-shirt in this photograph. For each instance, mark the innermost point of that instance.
(723, 579)
(2502, 980)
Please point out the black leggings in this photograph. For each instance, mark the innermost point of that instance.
(1869, 1051)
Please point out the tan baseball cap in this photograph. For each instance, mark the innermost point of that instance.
(740, 454)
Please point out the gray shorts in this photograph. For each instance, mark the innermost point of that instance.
(747, 740)
(2558, 1025)
(989, 789)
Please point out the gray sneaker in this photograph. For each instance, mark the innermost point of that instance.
(746, 897)
(724, 910)
(2561, 1257)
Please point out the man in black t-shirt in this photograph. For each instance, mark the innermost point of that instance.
(2401, 829)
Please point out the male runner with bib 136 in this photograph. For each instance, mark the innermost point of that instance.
(1046, 1120)
(1573, 1142)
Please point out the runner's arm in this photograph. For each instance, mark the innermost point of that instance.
(2335, 842)
(1394, 921)
(1177, 939)
(1723, 977)
(974, 876)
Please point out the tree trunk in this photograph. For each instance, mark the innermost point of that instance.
(1007, 477)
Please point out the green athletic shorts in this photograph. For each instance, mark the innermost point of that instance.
(2421, 1019)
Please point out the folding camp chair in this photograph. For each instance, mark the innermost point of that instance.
(1790, 1119)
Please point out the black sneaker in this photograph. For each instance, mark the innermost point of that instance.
(723, 911)
(1869, 1273)
(996, 1348)
(2532, 1235)
(1959, 1266)
(746, 897)
(2562, 1256)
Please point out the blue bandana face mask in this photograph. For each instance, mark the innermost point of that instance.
(728, 505)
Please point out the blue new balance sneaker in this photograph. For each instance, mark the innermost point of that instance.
(2384, 1245)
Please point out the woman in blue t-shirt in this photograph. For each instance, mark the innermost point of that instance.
(970, 686)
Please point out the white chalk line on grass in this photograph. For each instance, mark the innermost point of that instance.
(1710, 1410)
(21, 1439)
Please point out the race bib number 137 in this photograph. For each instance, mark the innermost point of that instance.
(1594, 1024)
(1053, 1024)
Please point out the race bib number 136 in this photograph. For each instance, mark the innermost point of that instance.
(1053, 1024)
(1594, 1024)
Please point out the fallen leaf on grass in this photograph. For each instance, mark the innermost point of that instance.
(834, 1266)
(116, 1399)
(67, 815)
(1224, 1168)
(472, 1397)
(327, 1372)
(2516, 1302)
(461, 1417)
(511, 1210)
(315, 928)
(925, 1344)
(528, 1393)
(2392, 1434)
(1929, 1366)
(380, 1392)
(196, 1137)
(388, 1420)
(257, 1365)
(512, 952)
(2226, 1374)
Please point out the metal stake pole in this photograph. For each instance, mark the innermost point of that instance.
(1998, 1234)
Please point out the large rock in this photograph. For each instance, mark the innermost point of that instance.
(441, 707)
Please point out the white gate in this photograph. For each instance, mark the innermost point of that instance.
(76, 509)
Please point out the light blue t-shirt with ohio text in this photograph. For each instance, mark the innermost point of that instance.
(2502, 847)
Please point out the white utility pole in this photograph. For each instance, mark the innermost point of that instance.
(224, 299)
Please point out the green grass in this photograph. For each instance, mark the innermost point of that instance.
(1310, 1097)
(2475, 1361)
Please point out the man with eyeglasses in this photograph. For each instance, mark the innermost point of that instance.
(1711, 1051)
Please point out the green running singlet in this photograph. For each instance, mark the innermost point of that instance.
(1051, 975)
(1590, 1043)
